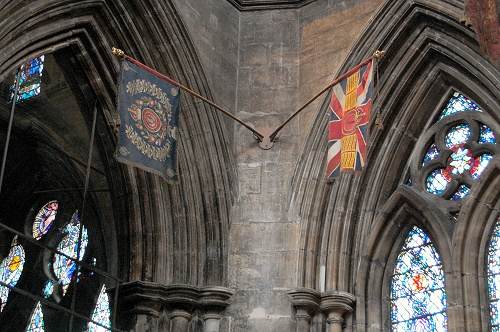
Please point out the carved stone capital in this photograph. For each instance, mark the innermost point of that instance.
(340, 302)
(306, 301)
(142, 298)
(151, 299)
(181, 297)
(335, 304)
(214, 299)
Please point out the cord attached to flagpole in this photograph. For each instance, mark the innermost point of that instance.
(120, 53)
(9, 128)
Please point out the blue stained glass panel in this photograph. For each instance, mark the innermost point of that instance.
(48, 289)
(458, 103)
(461, 192)
(101, 313)
(486, 135)
(431, 154)
(44, 219)
(494, 276)
(11, 269)
(30, 79)
(457, 135)
(36, 321)
(438, 181)
(63, 266)
(418, 299)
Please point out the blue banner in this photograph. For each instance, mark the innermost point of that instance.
(149, 112)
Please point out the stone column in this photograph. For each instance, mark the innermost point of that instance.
(180, 300)
(335, 305)
(306, 303)
(179, 320)
(213, 300)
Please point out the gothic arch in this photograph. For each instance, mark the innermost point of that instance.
(141, 206)
(429, 53)
(403, 210)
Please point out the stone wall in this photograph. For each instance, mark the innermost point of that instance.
(284, 57)
(213, 26)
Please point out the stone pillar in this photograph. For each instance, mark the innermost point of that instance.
(211, 322)
(213, 300)
(335, 305)
(180, 300)
(179, 320)
(306, 303)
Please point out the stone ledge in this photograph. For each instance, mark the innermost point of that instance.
(252, 5)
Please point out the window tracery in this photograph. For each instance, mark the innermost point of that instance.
(454, 152)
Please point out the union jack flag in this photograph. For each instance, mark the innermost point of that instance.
(349, 115)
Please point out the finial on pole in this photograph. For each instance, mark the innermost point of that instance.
(378, 54)
(117, 52)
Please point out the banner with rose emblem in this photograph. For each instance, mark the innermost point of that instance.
(148, 104)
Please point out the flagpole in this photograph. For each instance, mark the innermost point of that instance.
(120, 53)
(9, 128)
(377, 54)
(275, 132)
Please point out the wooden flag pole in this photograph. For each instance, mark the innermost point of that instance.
(377, 54)
(9, 128)
(120, 53)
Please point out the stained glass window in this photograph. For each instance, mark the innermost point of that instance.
(11, 269)
(486, 135)
(460, 160)
(480, 164)
(36, 321)
(458, 103)
(432, 153)
(44, 219)
(101, 313)
(462, 191)
(418, 299)
(462, 153)
(457, 135)
(48, 289)
(438, 181)
(494, 277)
(63, 266)
(30, 79)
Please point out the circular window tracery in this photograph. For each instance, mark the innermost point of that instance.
(453, 153)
